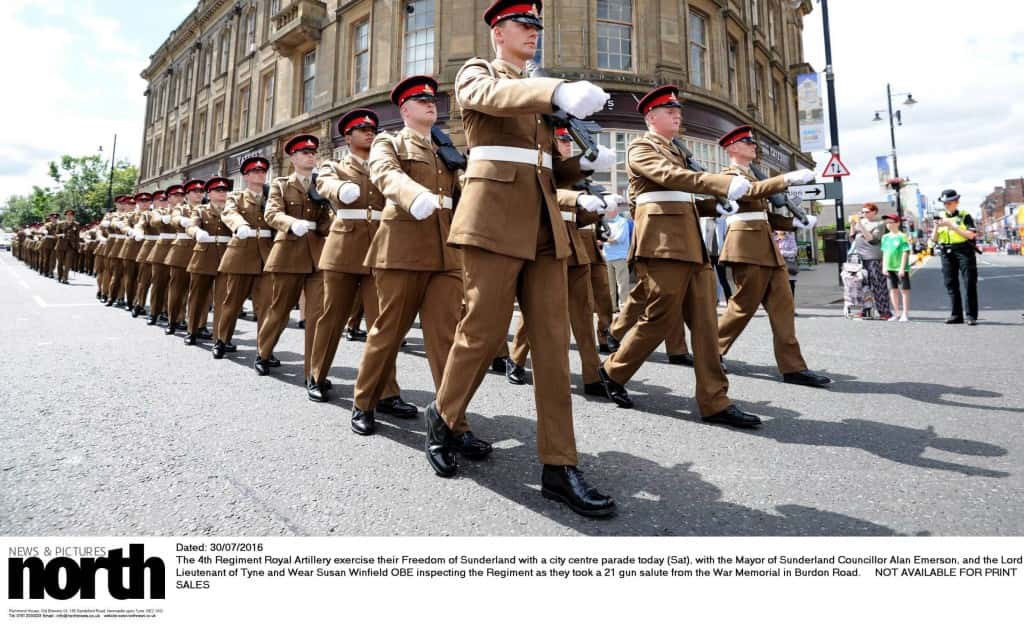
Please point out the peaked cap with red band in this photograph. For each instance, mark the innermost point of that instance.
(193, 184)
(160, 195)
(218, 183)
(301, 142)
(419, 87)
(562, 133)
(119, 199)
(129, 199)
(358, 119)
(661, 96)
(176, 189)
(739, 133)
(528, 13)
(143, 197)
(255, 163)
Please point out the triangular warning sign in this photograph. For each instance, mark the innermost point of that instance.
(835, 168)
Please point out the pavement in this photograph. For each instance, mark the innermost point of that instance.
(108, 427)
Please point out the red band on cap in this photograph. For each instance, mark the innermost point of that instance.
(303, 145)
(561, 131)
(422, 88)
(664, 99)
(513, 9)
(359, 121)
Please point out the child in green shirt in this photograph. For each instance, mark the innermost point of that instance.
(896, 263)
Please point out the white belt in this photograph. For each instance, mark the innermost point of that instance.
(664, 196)
(447, 203)
(351, 214)
(223, 239)
(167, 236)
(117, 237)
(533, 157)
(587, 227)
(264, 233)
(568, 216)
(182, 237)
(376, 215)
(310, 224)
(49, 236)
(747, 216)
(151, 237)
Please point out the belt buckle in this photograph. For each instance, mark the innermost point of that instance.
(540, 158)
(440, 201)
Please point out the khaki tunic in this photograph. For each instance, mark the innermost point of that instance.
(180, 252)
(288, 202)
(245, 256)
(206, 256)
(753, 242)
(349, 240)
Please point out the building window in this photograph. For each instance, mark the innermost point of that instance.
(200, 148)
(780, 109)
(419, 37)
(733, 62)
(617, 179)
(243, 112)
(361, 57)
(698, 49)
(218, 122)
(250, 32)
(267, 103)
(759, 87)
(772, 107)
(755, 13)
(772, 40)
(225, 50)
(188, 79)
(711, 156)
(615, 34)
(308, 79)
(169, 157)
(207, 63)
(183, 137)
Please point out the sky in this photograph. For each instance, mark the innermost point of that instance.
(81, 62)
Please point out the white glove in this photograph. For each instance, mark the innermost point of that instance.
(612, 202)
(605, 160)
(202, 236)
(138, 234)
(590, 203)
(299, 228)
(166, 218)
(105, 224)
(423, 206)
(811, 222)
(802, 176)
(348, 192)
(731, 210)
(243, 232)
(186, 222)
(738, 187)
(580, 98)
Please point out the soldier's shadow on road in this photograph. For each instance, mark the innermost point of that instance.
(653, 500)
(932, 393)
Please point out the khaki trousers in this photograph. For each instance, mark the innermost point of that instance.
(492, 283)
(757, 285)
(618, 281)
(114, 270)
(66, 263)
(160, 276)
(341, 291)
(672, 287)
(437, 297)
(285, 291)
(142, 283)
(581, 320)
(237, 287)
(129, 271)
(177, 295)
(675, 339)
(602, 299)
(204, 290)
(99, 269)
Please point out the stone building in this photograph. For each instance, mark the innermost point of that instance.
(237, 78)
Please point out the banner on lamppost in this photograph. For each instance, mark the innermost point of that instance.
(811, 112)
(882, 165)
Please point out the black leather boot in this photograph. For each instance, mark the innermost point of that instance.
(566, 485)
(363, 422)
(218, 350)
(396, 407)
(615, 392)
(438, 444)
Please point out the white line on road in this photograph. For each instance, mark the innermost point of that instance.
(40, 301)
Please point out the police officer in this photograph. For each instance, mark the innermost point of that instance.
(954, 236)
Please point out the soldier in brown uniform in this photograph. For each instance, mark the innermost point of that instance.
(633, 309)
(87, 259)
(160, 275)
(115, 264)
(301, 225)
(150, 237)
(180, 253)
(47, 259)
(211, 237)
(358, 208)
(757, 266)
(101, 265)
(67, 246)
(134, 238)
(668, 252)
(414, 269)
(241, 268)
(514, 245)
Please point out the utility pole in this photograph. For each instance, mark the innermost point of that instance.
(833, 122)
(110, 185)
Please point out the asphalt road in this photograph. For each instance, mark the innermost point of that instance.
(111, 428)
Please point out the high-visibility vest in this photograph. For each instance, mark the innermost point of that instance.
(949, 236)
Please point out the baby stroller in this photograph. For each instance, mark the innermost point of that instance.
(857, 299)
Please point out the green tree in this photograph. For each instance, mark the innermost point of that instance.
(86, 180)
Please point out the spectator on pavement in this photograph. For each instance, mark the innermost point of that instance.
(866, 234)
(896, 260)
(616, 249)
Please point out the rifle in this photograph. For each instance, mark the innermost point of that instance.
(582, 131)
(446, 151)
(780, 200)
(694, 165)
(315, 196)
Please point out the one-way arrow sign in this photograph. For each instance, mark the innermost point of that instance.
(809, 192)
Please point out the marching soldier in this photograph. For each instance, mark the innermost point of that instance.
(100, 260)
(668, 253)
(591, 236)
(180, 253)
(514, 244)
(130, 247)
(633, 309)
(415, 271)
(67, 246)
(150, 236)
(301, 225)
(115, 262)
(47, 259)
(211, 237)
(346, 276)
(160, 275)
(241, 268)
(758, 269)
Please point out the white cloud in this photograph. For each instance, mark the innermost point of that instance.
(963, 66)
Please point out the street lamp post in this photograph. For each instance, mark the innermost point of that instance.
(110, 184)
(895, 118)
